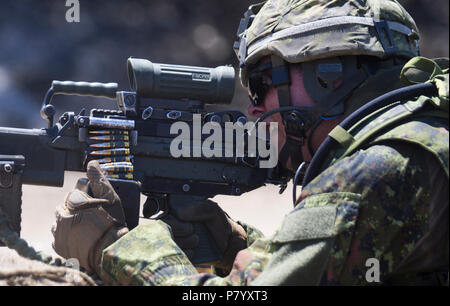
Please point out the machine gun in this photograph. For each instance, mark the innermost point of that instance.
(132, 144)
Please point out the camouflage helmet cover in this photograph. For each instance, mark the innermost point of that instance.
(306, 30)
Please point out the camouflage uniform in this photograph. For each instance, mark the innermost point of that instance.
(390, 184)
(386, 199)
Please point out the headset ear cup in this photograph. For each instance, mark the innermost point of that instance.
(320, 78)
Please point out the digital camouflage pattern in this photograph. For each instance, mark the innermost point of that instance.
(392, 206)
(147, 255)
(268, 35)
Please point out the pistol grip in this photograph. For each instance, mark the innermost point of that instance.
(129, 193)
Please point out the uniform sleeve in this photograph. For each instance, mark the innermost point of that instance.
(253, 233)
(147, 255)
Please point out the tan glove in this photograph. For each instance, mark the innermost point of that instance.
(85, 224)
(229, 236)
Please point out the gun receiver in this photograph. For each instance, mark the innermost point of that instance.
(132, 143)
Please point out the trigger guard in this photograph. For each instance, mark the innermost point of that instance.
(159, 209)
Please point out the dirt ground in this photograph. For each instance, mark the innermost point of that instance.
(263, 208)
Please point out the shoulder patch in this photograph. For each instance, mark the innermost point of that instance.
(320, 216)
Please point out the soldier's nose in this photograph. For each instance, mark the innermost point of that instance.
(255, 111)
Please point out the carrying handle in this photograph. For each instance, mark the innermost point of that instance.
(95, 89)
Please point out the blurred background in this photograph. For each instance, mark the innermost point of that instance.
(37, 46)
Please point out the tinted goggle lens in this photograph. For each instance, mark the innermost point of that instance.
(257, 89)
(259, 83)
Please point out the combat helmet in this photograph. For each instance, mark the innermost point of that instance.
(329, 38)
(301, 31)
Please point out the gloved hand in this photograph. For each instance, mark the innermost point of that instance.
(90, 220)
(229, 236)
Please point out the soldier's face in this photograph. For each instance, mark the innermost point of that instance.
(299, 97)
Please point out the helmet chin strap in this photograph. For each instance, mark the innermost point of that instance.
(293, 120)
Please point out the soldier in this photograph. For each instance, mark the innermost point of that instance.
(375, 195)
